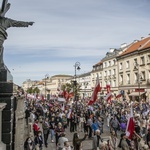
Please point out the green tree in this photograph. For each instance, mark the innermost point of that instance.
(31, 90)
(36, 90)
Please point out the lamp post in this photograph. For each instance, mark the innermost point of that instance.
(76, 67)
(46, 76)
(138, 79)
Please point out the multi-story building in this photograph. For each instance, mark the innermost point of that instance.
(28, 83)
(134, 69)
(52, 83)
(85, 84)
(109, 76)
(97, 71)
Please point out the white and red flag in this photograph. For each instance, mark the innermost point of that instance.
(119, 95)
(65, 93)
(70, 94)
(130, 125)
(95, 92)
(109, 94)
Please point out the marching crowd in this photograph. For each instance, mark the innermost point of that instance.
(51, 118)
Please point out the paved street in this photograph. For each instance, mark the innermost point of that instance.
(87, 144)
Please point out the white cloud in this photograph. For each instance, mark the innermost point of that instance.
(70, 30)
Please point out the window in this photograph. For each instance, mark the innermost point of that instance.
(114, 71)
(114, 62)
(148, 59)
(105, 64)
(127, 65)
(105, 73)
(142, 75)
(136, 77)
(114, 83)
(110, 72)
(100, 74)
(109, 63)
(135, 61)
(121, 79)
(120, 66)
(128, 78)
(142, 60)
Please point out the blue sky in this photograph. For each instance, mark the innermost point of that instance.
(67, 31)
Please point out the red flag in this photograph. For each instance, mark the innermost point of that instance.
(42, 97)
(109, 95)
(130, 125)
(95, 92)
(65, 93)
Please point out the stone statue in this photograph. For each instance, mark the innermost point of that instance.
(6, 23)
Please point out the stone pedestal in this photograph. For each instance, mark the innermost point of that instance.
(2, 145)
(6, 96)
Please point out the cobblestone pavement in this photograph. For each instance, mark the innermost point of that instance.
(87, 144)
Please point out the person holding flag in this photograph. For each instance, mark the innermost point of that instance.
(130, 125)
(95, 92)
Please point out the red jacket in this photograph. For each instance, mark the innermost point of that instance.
(36, 127)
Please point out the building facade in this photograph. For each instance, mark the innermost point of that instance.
(134, 69)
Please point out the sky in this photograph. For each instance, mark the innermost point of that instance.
(70, 31)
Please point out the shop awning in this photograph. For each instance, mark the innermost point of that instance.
(136, 93)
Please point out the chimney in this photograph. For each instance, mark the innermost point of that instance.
(135, 41)
(123, 45)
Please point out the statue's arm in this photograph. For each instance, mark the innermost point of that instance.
(14, 23)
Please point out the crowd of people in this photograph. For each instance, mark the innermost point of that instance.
(50, 120)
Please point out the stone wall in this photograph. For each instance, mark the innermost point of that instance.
(20, 128)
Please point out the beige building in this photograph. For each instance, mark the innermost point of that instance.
(109, 75)
(48, 85)
(134, 69)
(52, 83)
(97, 71)
(84, 81)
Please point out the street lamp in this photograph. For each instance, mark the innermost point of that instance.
(46, 77)
(138, 78)
(76, 67)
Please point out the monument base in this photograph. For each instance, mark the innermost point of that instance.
(6, 96)
(2, 146)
